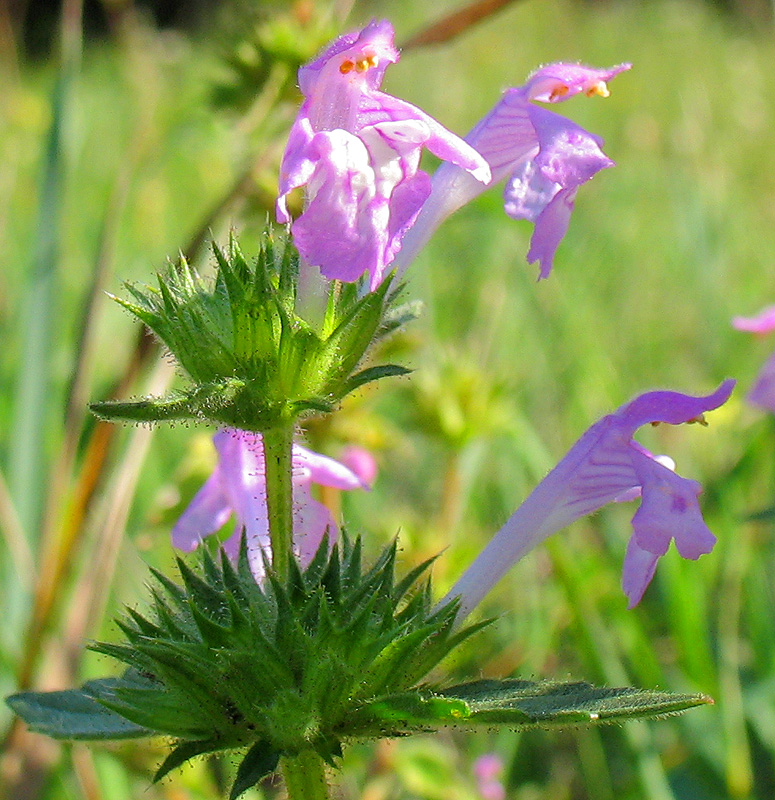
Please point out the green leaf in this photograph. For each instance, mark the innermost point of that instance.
(518, 702)
(185, 751)
(74, 714)
(260, 760)
(373, 374)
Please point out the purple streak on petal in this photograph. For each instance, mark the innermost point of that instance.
(763, 322)
(208, 512)
(639, 568)
(604, 465)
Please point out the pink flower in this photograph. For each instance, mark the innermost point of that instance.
(543, 157)
(237, 486)
(762, 393)
(357, 151)
(604, 466)
(488, 769)
(362, 463)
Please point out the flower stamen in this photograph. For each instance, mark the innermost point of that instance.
(599, 88)
(558, 92)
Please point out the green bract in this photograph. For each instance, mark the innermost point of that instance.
(253, 362)
(333, 654)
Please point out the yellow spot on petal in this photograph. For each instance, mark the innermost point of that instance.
(599, 88)
(346, 66)
(559, 91)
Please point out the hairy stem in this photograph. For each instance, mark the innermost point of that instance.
(278, 443)
(305, 776)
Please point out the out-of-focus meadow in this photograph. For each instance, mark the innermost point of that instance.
(117, 156)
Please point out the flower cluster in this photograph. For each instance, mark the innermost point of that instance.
(357, 150)
(368, 207)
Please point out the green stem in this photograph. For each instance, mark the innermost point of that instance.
(305, 776)
(278, 443)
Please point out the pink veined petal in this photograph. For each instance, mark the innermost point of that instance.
(343, 229)
(639, 568)
(360, 202)
(208, 512)
(763, 392)
(321, 469)
(763, 322)
(545, 157)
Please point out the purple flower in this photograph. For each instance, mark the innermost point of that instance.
(237, 487)
(604, 466)
(357, 151)
(762, 393)
(543, 156)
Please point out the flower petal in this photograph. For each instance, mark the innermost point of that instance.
(557, 82)
(312, 521)
(321, 469)
(763, 392)
(639, 568)
(604, 466)
(674, 408)
(763, 322)
(207, 513)
(669, 510)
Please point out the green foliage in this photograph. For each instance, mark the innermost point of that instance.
(255, 364)
(333, 655)
(224, 663)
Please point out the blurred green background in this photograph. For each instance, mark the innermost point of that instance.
(123, 148)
